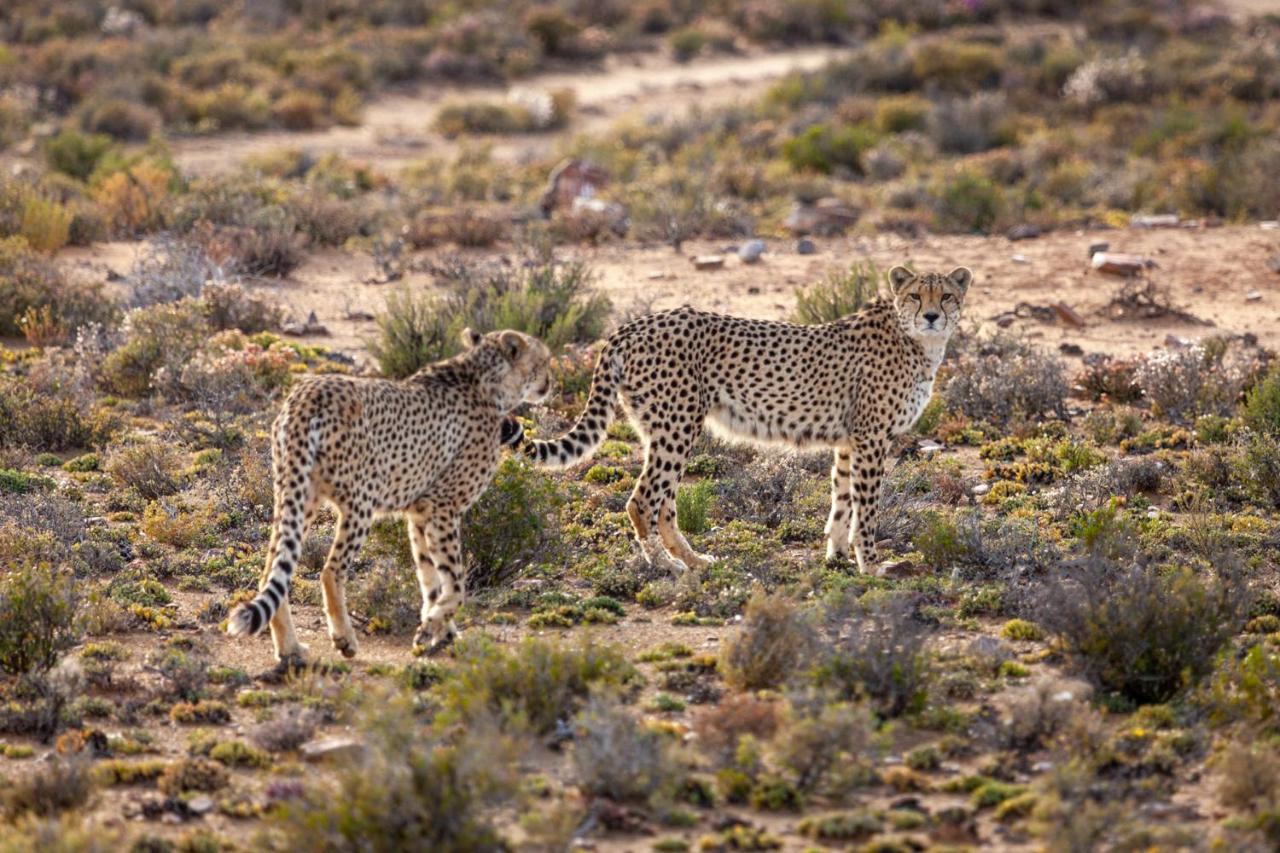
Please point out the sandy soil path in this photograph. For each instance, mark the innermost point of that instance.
(397, 127)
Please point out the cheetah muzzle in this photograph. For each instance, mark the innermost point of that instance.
(853, 385)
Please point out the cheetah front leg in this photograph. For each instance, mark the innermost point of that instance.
(867, 479)
(672, 465)
(443, 541)
(841, 504)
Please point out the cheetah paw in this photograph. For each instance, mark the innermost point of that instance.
(347, 645)
(428, 642)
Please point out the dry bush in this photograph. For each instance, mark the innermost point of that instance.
(287, 730)
(1003, 380)
(151, 468)
(404, 791)
(771, 645)
(1198, 380)
(720, 726)
(615, 756)
(134, 199)
(1034, 716)
(1138, 631)
(820, 736)
(874, 650)
(31, 287)
(228, 305)
(60, 785)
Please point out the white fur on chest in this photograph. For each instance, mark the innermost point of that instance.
(916, 401)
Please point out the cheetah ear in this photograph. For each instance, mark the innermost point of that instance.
(513, 344)
(900, 277)
(470, 337)
(961, 277)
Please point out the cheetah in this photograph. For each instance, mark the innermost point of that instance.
(852, 385)
(424, 447)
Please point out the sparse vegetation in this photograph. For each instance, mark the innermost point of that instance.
(1072, 623)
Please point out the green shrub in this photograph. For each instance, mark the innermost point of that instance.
(38, 607)
(899, 113)
(1138, 631)
(155, 337)
(78, 154)
(551, 300)
(49, 421)
(458, 118)
(1262, 405)
(773, 642)
(193, 774)
(969, 202)
(838, 295)
(537, 682)
(692, 503)
(826, 147)
(511, 526)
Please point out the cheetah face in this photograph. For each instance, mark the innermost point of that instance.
(529, 377)
(929, 305)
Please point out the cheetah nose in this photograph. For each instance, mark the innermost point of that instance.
(932, 316)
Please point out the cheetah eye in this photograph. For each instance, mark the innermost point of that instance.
(947, 297)
(915, 296)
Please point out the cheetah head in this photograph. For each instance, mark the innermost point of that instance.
(527, 362)
(929, 304)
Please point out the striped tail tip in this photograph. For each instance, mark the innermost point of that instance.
(246, 620)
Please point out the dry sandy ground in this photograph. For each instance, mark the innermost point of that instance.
(1208, 273)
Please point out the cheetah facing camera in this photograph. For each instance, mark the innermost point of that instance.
(424, 447)
(852, 385)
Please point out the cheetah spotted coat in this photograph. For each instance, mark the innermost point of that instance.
(852, 385)
(425, 447)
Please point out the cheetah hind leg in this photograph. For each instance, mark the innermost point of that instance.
(434, 636)
(676, 544)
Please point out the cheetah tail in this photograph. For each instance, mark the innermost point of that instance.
(589, 432)
(252, 616)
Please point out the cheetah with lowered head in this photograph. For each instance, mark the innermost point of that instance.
(424, 447)
(853, 385)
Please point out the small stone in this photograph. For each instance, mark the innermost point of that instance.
(1253, 296)
(1115, 263)
(1269, 224)
(1042, 767)
(1274, 264)
(1163, 220)
(359, 315)
(708, 262)
(202, 804)
(1068, 348)
(332, 749)
(981, 489)
(1095, 248)
(1020, 259)
(750, 251)
(1173, 341)
(928, 446)
(896, 569)
(1023, 232)
(806, 247)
